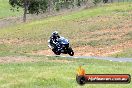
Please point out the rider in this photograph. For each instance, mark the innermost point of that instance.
(54, 39)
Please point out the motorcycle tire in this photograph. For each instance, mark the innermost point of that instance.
(70, 51)
(56, 52)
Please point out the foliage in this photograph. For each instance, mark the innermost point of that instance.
(33, 6)
(96, 1)
(105, 1)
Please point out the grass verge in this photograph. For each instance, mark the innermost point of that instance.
(58, 73)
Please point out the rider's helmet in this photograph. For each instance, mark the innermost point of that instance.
(55, 33)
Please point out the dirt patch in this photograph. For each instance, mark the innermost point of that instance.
(22, 59)
(16, 59)
(43, 52)
(15, 41)
(102, 51)
(93, 51)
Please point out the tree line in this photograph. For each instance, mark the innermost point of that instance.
(42, 6)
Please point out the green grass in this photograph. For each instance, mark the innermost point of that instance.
(5, 10)
(57, 74)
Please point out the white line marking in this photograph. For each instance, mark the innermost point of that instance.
(75, 57)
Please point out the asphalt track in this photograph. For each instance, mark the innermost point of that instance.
(99, 58)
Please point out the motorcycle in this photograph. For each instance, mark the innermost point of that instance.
(62, 46)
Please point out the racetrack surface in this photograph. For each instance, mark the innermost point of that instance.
(82, 56)
(100, 58)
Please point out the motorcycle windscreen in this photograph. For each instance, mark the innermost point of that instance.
(63, 41)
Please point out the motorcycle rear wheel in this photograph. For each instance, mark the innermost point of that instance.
(70, 51)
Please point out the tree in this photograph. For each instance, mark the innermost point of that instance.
(105, 1)
(30, 6)
(86, 2)
(96, 1)
(78, 2)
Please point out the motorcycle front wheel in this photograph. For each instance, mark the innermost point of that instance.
(56, 52)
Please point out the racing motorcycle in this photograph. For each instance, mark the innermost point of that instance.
(62, 46)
